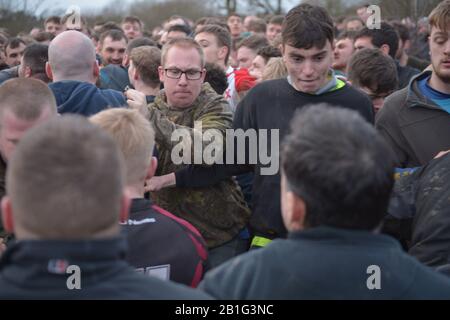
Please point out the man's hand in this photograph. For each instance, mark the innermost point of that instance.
(440, 154)
(160, 182)
(137, 101)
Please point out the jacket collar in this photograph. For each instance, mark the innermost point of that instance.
(35, 262)
(415, 97)
(343, 236)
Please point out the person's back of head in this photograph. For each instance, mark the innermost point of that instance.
(135, 138)
(33, 63)
(44, 37)
(269, 52)
(257, 26)
(307, 26)
(140, 42)
(71, 56)
(216, 77)
(337, 168)
(254, 42)
(63, 161)
(274, 69)
(146, 61)
(373, 72)
(386, 38)
(107, 26)
(25, 103)
(178, 30)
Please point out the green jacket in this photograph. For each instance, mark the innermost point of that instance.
(218, 212)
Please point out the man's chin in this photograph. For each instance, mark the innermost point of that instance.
(443, 76)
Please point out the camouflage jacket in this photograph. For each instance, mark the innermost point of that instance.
(218, 212)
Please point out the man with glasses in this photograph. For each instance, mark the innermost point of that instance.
(218, 212)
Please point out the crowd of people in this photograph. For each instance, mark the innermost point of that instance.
(339, 162)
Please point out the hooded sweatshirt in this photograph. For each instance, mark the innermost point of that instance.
(84, 98)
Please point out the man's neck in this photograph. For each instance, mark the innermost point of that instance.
(403, 59)
(437, 84)
(135, 192)
(222, 65)
(147, 90)
(80, 79)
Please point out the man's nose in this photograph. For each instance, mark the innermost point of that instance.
(183, 80)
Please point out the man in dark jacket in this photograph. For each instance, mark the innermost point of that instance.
(64, 207)
(336, 183)
(74, 70)
(424, 197)
(415, 120)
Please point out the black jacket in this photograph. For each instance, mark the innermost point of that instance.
(163, 244)
(37, 270)
(326, 263)
(426, 195)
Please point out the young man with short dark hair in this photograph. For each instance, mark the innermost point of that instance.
(374, 73)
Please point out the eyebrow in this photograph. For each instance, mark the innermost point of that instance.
(441, 33)
(293, 54)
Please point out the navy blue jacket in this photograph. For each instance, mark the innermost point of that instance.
(326, 263)
(84, 98)
(37, 270)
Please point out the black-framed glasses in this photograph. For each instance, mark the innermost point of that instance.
(190, 74)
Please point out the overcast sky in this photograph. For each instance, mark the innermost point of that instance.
(87, 5)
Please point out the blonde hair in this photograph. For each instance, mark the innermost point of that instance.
(440, 16)
(134, 136)
(274, 69)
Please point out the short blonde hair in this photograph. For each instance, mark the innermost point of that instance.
(274, 69)
(440, 16)
(134, 136)
(185, 43)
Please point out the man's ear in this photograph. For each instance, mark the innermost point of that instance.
(98, 48)
(385, 49)
(125, 206)
(152, 168)
(7, 216)
(27, 72)
(48, 70)
(298, 213)
(135, 75)
(96, 70)
(161, 73)
(125, 60)
(223, 52)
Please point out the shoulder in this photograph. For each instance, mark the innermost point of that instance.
(232, 279)
(393, 104)
(116, 96)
